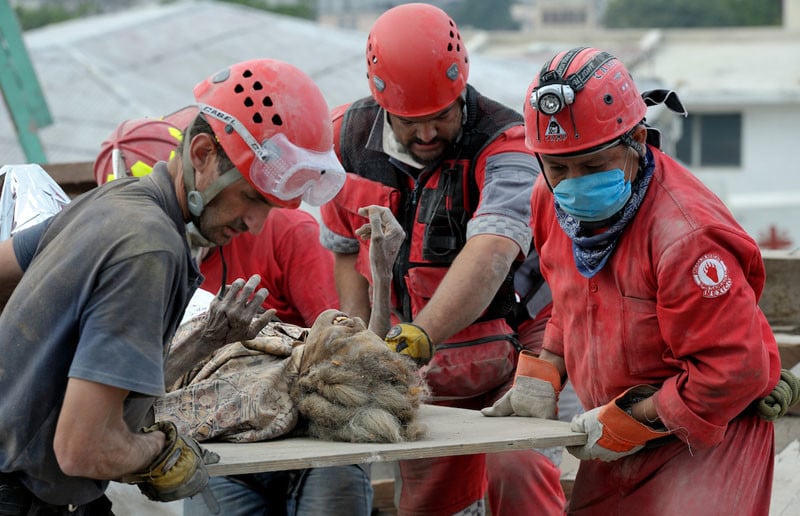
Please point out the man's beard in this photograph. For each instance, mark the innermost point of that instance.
(429, 161)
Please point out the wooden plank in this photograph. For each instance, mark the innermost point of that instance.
(73, 178)
(786, 482)
(71, 173)
(451, 431)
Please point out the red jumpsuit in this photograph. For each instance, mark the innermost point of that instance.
(675, 306)
(468, 376)
(294, 267)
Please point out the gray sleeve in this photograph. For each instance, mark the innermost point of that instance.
(26, 241)
(505, 207)
(335, 242)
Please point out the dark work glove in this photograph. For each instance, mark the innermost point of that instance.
(785, 394)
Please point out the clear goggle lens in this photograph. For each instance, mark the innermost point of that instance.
(282, 169)
(288, 172)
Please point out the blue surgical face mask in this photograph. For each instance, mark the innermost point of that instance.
(593, 197)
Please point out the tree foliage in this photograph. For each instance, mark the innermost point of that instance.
(33, 17)
(692, 13)
(47, 13)
(303, 9)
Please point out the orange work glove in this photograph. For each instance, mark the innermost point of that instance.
(612, 432)
(537, 384)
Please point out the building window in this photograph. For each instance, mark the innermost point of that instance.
(564, 16)
(711, 140)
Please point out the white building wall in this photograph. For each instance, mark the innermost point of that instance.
(791, 14)
(765, 191)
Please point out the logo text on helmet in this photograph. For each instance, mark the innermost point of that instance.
(601, 71)
(259, 150)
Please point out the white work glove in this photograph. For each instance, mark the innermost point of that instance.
(537, 385)
(612, 433)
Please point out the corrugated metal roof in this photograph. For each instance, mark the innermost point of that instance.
(98, 71)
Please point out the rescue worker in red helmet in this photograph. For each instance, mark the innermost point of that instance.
(134, 147)
(107, 279)
(452, 166)
(297, 271)
(655, 315)
(294, 268)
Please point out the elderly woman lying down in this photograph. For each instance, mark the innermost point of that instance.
(233, 376)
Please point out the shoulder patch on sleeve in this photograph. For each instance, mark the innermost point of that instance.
(711, 275)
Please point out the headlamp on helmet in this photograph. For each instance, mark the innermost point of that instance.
(580, 101)
(550, 99)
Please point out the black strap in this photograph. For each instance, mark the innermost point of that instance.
(667, 97)
(563, 65)
(223, 287)
(579, 79)
(548, 76)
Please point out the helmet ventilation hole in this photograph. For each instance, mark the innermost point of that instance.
(248, 102)
(247, 73)
(267, 101)
(608, 99)
(257, 118)
(238, 88)
(258, 86)
(276, 119)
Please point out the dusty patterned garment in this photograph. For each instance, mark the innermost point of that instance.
(238, 394)
(338, 378)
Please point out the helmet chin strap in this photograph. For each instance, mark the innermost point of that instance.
(197, 201)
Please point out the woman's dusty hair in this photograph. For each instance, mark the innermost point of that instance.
(365, 395)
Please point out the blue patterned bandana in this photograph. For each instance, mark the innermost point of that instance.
(591, 251)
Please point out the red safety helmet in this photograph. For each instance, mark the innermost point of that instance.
(134, 147)
(417, 63)
(581, 100)
(182, 117)
(264, 109)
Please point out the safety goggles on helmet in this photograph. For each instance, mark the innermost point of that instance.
(285, 170)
